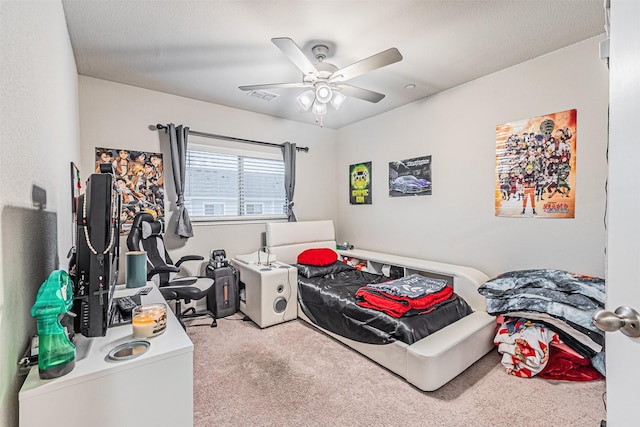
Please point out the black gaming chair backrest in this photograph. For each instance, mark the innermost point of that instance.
(135, 234)
(146, 234)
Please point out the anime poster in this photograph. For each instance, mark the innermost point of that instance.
(536, 167)
(139, 174)
(411, 177)
(360, 184)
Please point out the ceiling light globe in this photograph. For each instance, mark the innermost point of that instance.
(319, 108)
(305, 100)
(337, 99)
(323, 93)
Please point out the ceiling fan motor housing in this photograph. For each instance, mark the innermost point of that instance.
(325, 70)
(320, 51)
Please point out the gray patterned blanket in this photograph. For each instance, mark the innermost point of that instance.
(565, 295)
(412, 286)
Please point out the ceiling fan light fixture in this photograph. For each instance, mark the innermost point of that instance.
(337, 99)
(305, 99)
(326, 81)
(323, 93)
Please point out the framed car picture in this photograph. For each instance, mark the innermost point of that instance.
(410, 177)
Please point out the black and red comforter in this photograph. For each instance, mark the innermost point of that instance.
(329, 302)
(407, 296)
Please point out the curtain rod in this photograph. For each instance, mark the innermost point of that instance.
(231, 138)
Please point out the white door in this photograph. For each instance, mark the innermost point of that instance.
(623, 247)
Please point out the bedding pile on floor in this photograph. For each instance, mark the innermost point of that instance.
(545, 323)
(530, 348)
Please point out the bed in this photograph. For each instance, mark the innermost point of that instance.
(429, 362)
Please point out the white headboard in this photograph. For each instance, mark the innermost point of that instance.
(287, 239)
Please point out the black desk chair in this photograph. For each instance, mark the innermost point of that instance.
(146, 235)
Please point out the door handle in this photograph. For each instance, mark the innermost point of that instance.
(625, 319)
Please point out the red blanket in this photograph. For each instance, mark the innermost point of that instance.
(568, 366)
(397, 306)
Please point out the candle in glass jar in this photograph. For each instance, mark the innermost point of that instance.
(143, 325)
(149, 320)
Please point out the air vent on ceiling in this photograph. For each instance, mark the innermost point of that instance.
(263, 94)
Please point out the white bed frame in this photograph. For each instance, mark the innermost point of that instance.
(434, 360)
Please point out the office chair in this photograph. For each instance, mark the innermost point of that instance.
(146, 235)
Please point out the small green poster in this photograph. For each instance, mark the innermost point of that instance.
(360, 184)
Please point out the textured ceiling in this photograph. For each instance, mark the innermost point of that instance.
(206, 49)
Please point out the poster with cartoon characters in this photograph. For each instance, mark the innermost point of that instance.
(140, 176)
(360, 184)
(536, 167)
(410, 177)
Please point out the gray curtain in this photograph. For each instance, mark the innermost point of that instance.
(178, 142)
(289, 153)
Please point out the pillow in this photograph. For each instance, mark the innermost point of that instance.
(318, 257)
(310, 271)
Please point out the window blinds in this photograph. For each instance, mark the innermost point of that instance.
(228, 185)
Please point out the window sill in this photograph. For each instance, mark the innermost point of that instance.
(235, 220)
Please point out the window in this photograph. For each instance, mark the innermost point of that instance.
(213, 209)
(221, 185)
(254, 209)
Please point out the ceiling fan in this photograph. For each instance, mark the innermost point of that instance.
(325, 82)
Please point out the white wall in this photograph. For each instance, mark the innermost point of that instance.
(115, 115)
(457, 128)
(39, 139)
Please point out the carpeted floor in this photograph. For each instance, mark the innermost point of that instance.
(293, 375)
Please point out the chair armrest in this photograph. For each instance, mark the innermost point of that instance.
(189, 258)
(163, 269)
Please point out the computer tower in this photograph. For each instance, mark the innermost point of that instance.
(224, 298)
(97, 254)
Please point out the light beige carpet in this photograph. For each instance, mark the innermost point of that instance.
(293, 375)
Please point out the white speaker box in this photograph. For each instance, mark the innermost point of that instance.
(271, 292)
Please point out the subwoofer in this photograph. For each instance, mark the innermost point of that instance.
(268, 290)
(280, 305)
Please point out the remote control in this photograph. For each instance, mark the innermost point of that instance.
(144, 291)
(126, 304)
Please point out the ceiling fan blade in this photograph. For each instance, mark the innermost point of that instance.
(357, 92)
(275, 86)
(295, 54)
(371, 63)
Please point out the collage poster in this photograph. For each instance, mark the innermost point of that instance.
(536, 167)
(360, 184)
(140, 176)
(411, 177)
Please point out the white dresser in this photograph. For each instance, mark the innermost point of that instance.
(153, 389)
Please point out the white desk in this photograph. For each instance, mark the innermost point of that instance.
(154, 389)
